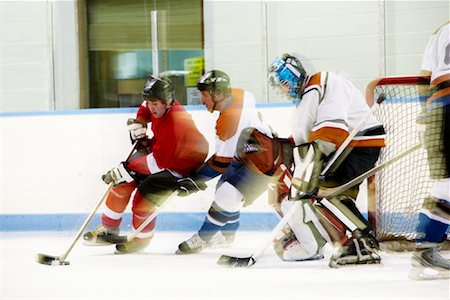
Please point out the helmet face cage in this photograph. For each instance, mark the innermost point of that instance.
(214, 81)
(287, 77)
(158, 89)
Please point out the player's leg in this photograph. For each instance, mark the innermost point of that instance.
(150, 194)
(301, 239)
(236, 185)
(361, 247)
(434, 217)
(117, 201)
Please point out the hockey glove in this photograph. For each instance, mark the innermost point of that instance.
(188, 185)
(137, 129)
(117, 175)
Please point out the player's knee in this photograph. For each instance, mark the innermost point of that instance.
(228, 197)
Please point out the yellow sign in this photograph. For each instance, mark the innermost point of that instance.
(194, 69)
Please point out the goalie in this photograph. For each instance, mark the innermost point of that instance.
(328, 108)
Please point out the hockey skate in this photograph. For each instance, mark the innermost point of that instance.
(196, 244)
(133, 246)
(428, 263)
(99, 236)
(356, 251)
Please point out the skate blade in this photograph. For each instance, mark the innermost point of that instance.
(423, 273)
(117, 252)
(96, 242)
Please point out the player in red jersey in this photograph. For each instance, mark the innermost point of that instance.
(176, 149)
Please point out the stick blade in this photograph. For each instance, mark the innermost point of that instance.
(236, 262)
(50, 260)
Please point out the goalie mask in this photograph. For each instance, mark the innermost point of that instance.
(287, 77)
(158, 89)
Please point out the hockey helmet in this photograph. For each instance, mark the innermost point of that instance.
(213, 81)
(158, 89)
(287, 77)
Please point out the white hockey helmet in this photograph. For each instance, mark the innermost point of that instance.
(287, 77)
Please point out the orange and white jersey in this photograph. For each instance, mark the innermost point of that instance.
(240, 114)
(331, 107)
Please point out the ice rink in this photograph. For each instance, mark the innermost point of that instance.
(158, 273)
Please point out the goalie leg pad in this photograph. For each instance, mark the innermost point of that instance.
(288, 248)
(308, 242)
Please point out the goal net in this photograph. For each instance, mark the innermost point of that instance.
(396, 193)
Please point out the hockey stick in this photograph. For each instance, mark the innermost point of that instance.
(120, 239)
(251, 260)
(61, 259)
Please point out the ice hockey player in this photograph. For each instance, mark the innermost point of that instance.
(159, 167)
(327, 109)
(434, 217)
(237, 113)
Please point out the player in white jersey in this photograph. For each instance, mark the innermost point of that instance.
(237, 112)
(328, 108)
(434, 217)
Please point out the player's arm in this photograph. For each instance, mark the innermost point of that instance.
(137, 127)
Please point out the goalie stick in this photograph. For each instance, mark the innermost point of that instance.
(60, 260)
(251, 260)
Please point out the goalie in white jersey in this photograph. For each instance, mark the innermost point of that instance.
(328, 108)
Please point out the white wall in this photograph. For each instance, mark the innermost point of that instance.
(361, 40)
(358, 39)
(26, 57)
(39, 55)
(52, 163)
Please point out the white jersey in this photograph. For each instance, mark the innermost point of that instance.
(436, 58)
(330, 109)
(240, 114)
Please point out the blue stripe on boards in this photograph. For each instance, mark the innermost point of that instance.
(167, 221)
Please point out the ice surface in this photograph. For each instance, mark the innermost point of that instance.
(157, 273)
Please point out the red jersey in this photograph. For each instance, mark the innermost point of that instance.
(177, 143)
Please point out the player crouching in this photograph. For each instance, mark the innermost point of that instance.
(329, 112)
(159, 167)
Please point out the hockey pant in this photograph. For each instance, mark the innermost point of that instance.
(237, 186)
(120, 195)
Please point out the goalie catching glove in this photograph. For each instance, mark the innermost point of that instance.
(118, 175)
(188, 185)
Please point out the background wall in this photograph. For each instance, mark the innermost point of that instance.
(38, 56)
(361, 40)
(57, 166)
(51, 161)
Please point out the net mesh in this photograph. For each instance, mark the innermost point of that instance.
(400, 188)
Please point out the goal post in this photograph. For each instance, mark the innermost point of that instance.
(396, 194)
